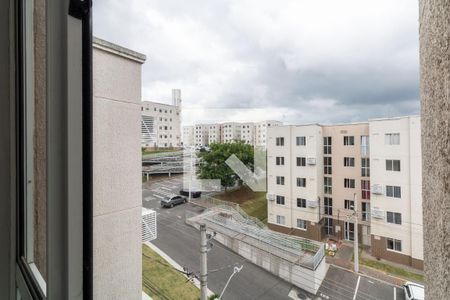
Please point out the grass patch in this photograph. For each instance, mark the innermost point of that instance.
(161, 281)
(253, 203)
(393, 270)
(156, 151)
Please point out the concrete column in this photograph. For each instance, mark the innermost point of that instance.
(435, 97)
(117, 172)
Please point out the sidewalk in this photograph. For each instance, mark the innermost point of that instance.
(344, 259)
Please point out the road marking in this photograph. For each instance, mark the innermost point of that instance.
(370, 282)
(158, 196)
(395, 293)
(357, 286)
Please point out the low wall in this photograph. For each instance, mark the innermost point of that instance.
(304, 278)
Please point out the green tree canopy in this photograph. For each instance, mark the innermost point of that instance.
(212, 164)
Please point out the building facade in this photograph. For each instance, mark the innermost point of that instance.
(322, 177)
(396, 223)
(201, 135)
(230, 132)
(188, 136)
(214, 133)
(248, 133)
(261, 131)
(161, 123)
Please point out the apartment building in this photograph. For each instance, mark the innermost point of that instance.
(230, 132)
(188, 138)
(355, 170)
(346, 181)
(295, 179)
(214, 133)
(248, 133)
(396, 168)
(201, 135)
(161, 123)
(261, 131)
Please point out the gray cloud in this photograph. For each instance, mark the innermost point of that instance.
(324, 61)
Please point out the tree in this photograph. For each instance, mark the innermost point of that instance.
(212, 163)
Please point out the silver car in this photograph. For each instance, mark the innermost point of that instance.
(172, 201)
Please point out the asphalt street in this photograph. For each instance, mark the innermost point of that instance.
(181, 242)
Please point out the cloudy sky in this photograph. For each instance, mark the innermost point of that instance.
(296, 61)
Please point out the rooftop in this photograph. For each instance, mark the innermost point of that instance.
(118, 50)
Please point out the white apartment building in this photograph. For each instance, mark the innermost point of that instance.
(295, 179)
(188, 136)
(230, 132)
(396, 168)
(248, 133)
(214, 133)
(260, 130)
(201, 135)
(161, 123)
(337, 165)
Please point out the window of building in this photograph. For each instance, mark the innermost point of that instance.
(393, 165)
(280, 200)
(301, 224)
(365, 211)
(393, 217)
(365, 189)
(392, 138)
(301, 141)
(328, 226)
(349, 140)
(280, 220)
(349, 161)
(393, 191)
(349, 183)
(328, 206)
(327, 183)
(301, 202)
(393, 244)
(280, 180)
(279, 141)
(365, 146)
(327, 145)
(301, 161)
(365, 167)
(279, 160)
(349, 204)
(327, 168)
(301, 182)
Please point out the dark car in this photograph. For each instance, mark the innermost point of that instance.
(172, 201)
(194, 194)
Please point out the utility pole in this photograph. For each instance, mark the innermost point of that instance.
(203, 263)
(355, 235)
(190, 174)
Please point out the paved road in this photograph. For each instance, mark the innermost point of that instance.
(181, 242)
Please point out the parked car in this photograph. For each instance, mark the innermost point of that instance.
(414, 291)
(172, 201)
(194, 194)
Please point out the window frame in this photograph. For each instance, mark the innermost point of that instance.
(302, 202)
(301, 182)
(304, 222)
(301, 161)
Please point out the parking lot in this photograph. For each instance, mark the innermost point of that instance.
(181, 242)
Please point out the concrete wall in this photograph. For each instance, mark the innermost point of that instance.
(435, 97)
(304, 278)
(116, 172)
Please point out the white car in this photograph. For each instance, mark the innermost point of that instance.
(414, 291)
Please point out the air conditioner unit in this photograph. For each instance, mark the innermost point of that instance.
(377, 189)
(311, 160)
(377, 213)
(312, 203)
(270, 197)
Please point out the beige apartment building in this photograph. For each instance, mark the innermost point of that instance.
(201, 135)
(230, 132)
(161, 123)
(248, 133)
(317, 173)
(261, 131)
(214, 133)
